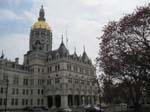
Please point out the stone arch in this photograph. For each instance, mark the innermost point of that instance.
(50, 101)
(49, 57)
(77, 100)
(57, 55)
(70, 100)
(57, 100)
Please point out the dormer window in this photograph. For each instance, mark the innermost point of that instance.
(57, 55)
(49, 58)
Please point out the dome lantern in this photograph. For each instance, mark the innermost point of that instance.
(41, 24)
(41, 14)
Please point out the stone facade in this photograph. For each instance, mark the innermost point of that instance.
(51, 78)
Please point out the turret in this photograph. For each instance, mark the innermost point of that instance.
(62, 49)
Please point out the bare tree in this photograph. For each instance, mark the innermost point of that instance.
(125, 52)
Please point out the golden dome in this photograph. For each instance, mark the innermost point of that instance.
(41, 24)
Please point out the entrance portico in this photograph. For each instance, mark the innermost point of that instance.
(64, 101)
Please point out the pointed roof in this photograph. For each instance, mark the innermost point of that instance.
(75, 54)
(2, 55)
(63, 51)
(84, 55)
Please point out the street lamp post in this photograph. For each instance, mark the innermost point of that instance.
(6, 95)
(99, 92)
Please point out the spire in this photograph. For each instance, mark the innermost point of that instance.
(84, 55)
(62, 39)
(2, 55)
(41, 14)
(75, 53)
(74, 49)
(66, 39)
(62, 49)
(84, 48)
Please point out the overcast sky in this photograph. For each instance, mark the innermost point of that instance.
(82, 19)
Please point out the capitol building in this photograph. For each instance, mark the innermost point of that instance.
(48, 77)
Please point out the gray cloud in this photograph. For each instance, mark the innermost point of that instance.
(14, 46)
(83, 19)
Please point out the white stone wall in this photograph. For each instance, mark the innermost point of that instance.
(63, 87)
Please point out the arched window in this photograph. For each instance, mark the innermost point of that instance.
(49, 58)
(57, 55)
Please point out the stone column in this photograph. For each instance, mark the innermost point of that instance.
(88, 97)
(83, 100)
(69, 100)
(80, 100)
(73, 100)
(86, 100)
(64, 101)
(92, 100)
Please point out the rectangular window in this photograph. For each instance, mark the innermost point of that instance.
(23, 91)
(17, 91)
(13, 91)
(2, 89)
(42, 70)
(76, 81)
(81, 70)
(0, 101)
(57, 80)
(68, 66)
(92, 72)
(16, 101)
(56, 68)
(5, 77)
(86, 72)
(5, 101)
(32, 81)
(70, 80)
(12, 101)
(25, 81)
(82, 81)
(93, 82)
(42, 102)
(38, 91)
(75, 68)
(49, 82)
(16, 80)
(26, 101)
(42, 91)
(26, 91)
(31, 91)
(38, 69)
(31, 101)
(50, 69)
(47, 47)
(23, 102)
(38, 101)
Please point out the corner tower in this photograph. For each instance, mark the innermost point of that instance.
(41, 34)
